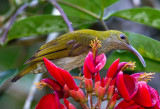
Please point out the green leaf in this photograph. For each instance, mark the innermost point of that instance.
(9, 56)
(145, 15)
(85, 8)
(42, 24)
(146, 46)
(7, 74)
(151, 65)
(104, 3)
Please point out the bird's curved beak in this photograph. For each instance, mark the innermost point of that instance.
(133, 50)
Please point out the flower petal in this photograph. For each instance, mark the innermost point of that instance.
(53, 70)
(89, 62)
(67, 77)
(124, 104)
(97, 77)
(128, 105)
(126, 85)
(100, 62)
(87, 73)
(54, 85)
(49, 101)
(112, 69)
(146, 95)
(120, 65)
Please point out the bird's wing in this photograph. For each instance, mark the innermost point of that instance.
(64, 46)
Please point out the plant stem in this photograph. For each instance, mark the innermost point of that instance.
(104, 24)
(69, 24)
(99, 104)
(95, 105)
(13, 18)
(87, 12)
(77, 77)
(32, 91)
(86, 107)
(90, 95)
(79, 8)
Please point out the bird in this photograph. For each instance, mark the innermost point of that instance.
(69, 50)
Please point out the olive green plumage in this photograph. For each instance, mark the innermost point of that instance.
(72, 48)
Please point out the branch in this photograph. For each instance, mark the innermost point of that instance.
(104, 24)
(13, 18)
(69, 24)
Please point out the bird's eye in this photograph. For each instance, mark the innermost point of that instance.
(122, 36)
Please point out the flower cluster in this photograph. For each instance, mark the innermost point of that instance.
(131, 89)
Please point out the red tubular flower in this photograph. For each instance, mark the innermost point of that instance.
(49, 101)
(54, 85)
(126, 85)
(87, 73)
(87, 78)
(68, 104)
(68, 79)
(53, 70)
(112, 69)
(95, 65)
(111, 72)
(63, 77)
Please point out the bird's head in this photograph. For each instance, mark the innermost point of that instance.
(114, 39)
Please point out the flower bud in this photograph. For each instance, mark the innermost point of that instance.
(68, 104)
(108, 81)
(102, 89)
(78, 95)
(111, 89)
(81, 96)
(113, 101)
(96, 87)
(88, 84)
(74, 95)
(97, 83)
(66, 91)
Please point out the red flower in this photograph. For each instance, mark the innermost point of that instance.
(55, 86)
(68, 83)
(49, 101)
(136, 92)
(94, 65)
(63, 77)
(111, 73)
(112, 69)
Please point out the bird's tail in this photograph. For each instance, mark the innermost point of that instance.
(25, 71)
